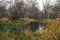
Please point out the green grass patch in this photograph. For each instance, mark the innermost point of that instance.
(13, 24)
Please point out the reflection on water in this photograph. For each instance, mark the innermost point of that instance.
(41, 27)
(34, 26)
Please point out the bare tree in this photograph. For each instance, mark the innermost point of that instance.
(32, 11)
(16, 11)
(2, 11)
(50, 11)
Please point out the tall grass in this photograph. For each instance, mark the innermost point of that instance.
(12, 24)
(52, 31)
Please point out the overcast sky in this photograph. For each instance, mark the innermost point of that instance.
(40, 3)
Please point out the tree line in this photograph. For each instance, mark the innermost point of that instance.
(20, 10)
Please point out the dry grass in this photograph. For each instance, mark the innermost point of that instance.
(28, 19)
(52, 32)
(4, 20)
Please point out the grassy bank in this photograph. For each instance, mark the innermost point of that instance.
(11, 24)
(52, 31)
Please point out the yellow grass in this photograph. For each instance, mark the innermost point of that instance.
(52, 32)
(4, 20)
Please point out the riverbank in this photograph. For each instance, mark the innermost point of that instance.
(13, 31)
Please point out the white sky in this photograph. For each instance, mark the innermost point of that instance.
(40, 3)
